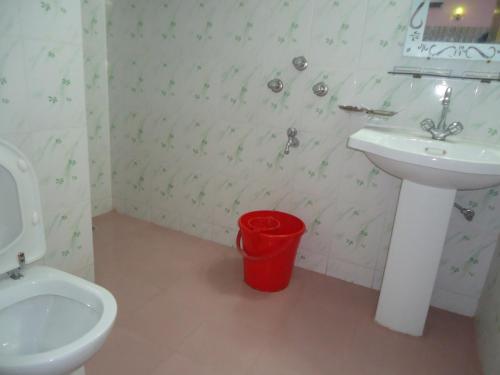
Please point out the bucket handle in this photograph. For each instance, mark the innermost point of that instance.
(250, 257)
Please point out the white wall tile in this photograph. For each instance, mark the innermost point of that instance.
(454, 302)
(97, 103)
(52, 20)
(350, 272)
(54, 78)
(13, 97)
(42, 111)
(188, 97)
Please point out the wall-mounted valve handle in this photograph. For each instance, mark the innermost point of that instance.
(427, 124)
(276, 85)
(291, 132)
(292, 141)
(454, 128)
(320, 89)
(300, 63)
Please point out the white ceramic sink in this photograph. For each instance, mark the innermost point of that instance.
(431, 171)
(450, 164)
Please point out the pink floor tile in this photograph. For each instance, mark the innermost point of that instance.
(226, 344)
(126, 354)
(180, 365)
(164, 322)
(184, 309)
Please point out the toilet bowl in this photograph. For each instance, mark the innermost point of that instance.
(51, 322)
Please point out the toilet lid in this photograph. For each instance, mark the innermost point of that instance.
(21, 224)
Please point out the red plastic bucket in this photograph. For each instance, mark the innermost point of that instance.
(270, 243)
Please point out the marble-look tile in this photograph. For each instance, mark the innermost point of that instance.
(225, 235)
(357, 234)
(42, 111)
(10, 24)
(488, 329)
(349, 272)
(167, 219)
(481, 122)
(384, 34)
(188, 98)
(318, 214)
(337, 32)
(23, 141)
(447, 300)
(311, 260)
(13, 94)
(320, 164)
(52, 20)
(69, 236)
(54, 78)
(196, 227)
(97, 103)
(323, 114)
(61, 164)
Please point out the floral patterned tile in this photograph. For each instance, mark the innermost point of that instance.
(349, 272)
(42, 111)
(189, 98)
(9, 19)
(337, 32)
(47, 19)
(13, 94)
(54, 82)
(69, 236)
(61, 164)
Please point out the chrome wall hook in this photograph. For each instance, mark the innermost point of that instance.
(468, 213)
(320, 89)
(276, 85)
(300, 63)
(293, 141)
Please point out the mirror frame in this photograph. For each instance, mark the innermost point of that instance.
(415, 45)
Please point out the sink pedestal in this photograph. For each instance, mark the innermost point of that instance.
(417, 241)
(431, 171)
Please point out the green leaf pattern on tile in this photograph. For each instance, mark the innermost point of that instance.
(188, 97)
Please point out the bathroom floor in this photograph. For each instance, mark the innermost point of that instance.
(184, 309)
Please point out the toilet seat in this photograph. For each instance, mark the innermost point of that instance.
(21, 222)
(26, 322)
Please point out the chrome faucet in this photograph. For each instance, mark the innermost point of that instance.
(292, 141)
(442, 130)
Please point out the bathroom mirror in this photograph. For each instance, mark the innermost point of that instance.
(454, 29)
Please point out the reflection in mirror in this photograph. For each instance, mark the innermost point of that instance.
(466, 21)
(454, 29)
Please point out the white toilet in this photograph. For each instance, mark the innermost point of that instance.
(51, 322)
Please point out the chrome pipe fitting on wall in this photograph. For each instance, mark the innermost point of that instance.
(320, 89)
(276, 85)
(292, 141)
(468, 213)
(300, 63)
